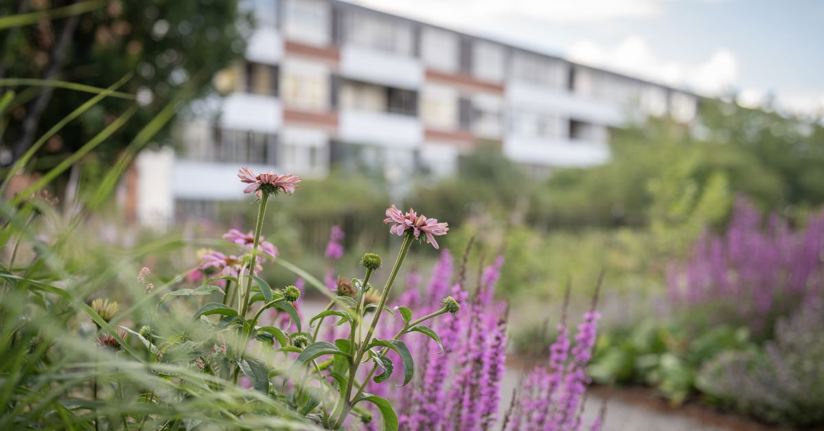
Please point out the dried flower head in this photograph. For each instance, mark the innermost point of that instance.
(450, 305)
(106, 340)
(371, 299)
(291, 293)
(371, 261)
(267, 182)
(104, 308)
(345, 288)
(416, 224)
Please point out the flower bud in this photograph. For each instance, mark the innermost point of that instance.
(450, 305)
(146, 332)
(299, 340)
(291, 293)
(371, 261)
(105, 309)
(345, 288)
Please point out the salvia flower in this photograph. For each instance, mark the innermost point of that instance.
(417, 224)
(334, 248)
(248, 240)
(267, 182)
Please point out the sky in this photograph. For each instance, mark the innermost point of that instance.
(760, 49)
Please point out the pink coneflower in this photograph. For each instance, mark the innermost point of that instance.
(418, 224)
(268, 182)
(221, 263)
(248, 240)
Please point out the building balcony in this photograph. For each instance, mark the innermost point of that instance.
(265, 46)
(380, 128)
(242, 111)
(556, 152)
(380, 67)
(522, 95)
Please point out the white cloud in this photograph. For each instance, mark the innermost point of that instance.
(635, 56)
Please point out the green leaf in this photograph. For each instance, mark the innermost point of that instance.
(390, 418)
(342, 314)
(289, 309)
(386, 365)
(276, 333)
(400, 347)
(319, 348)
(257, 372)
(265, 289)
(406, 313)
(215, 308)
(428, 332)
(200, 291)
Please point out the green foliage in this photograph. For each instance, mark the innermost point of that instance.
(153, 43)
(665, 356)
(486, 185)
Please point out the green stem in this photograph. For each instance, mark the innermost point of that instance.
(320, 321)
(353, 370)
(226, 291)
(411, 324)
(244, 293)
(258, 227)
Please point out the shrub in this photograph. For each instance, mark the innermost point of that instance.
(781, 383)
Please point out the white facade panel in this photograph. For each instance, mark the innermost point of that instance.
(560, 152)
(251, 112)
(440, 158)
(381, 67)
(529, 96)
(380, 128)
(208, 180)
(265, 46)
(155, 200)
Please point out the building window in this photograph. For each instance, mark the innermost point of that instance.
(439, 107)
(539, 70)
(486, 115)
(244, 146)
(308, 21)
(538, 125)
(439, 49)
(401, 101)
(585, 131)
(360, 96)
(261, 79)
(305, 85)
(378, 32)
(488, 61)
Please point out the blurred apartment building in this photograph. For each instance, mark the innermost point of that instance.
(326, 83)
